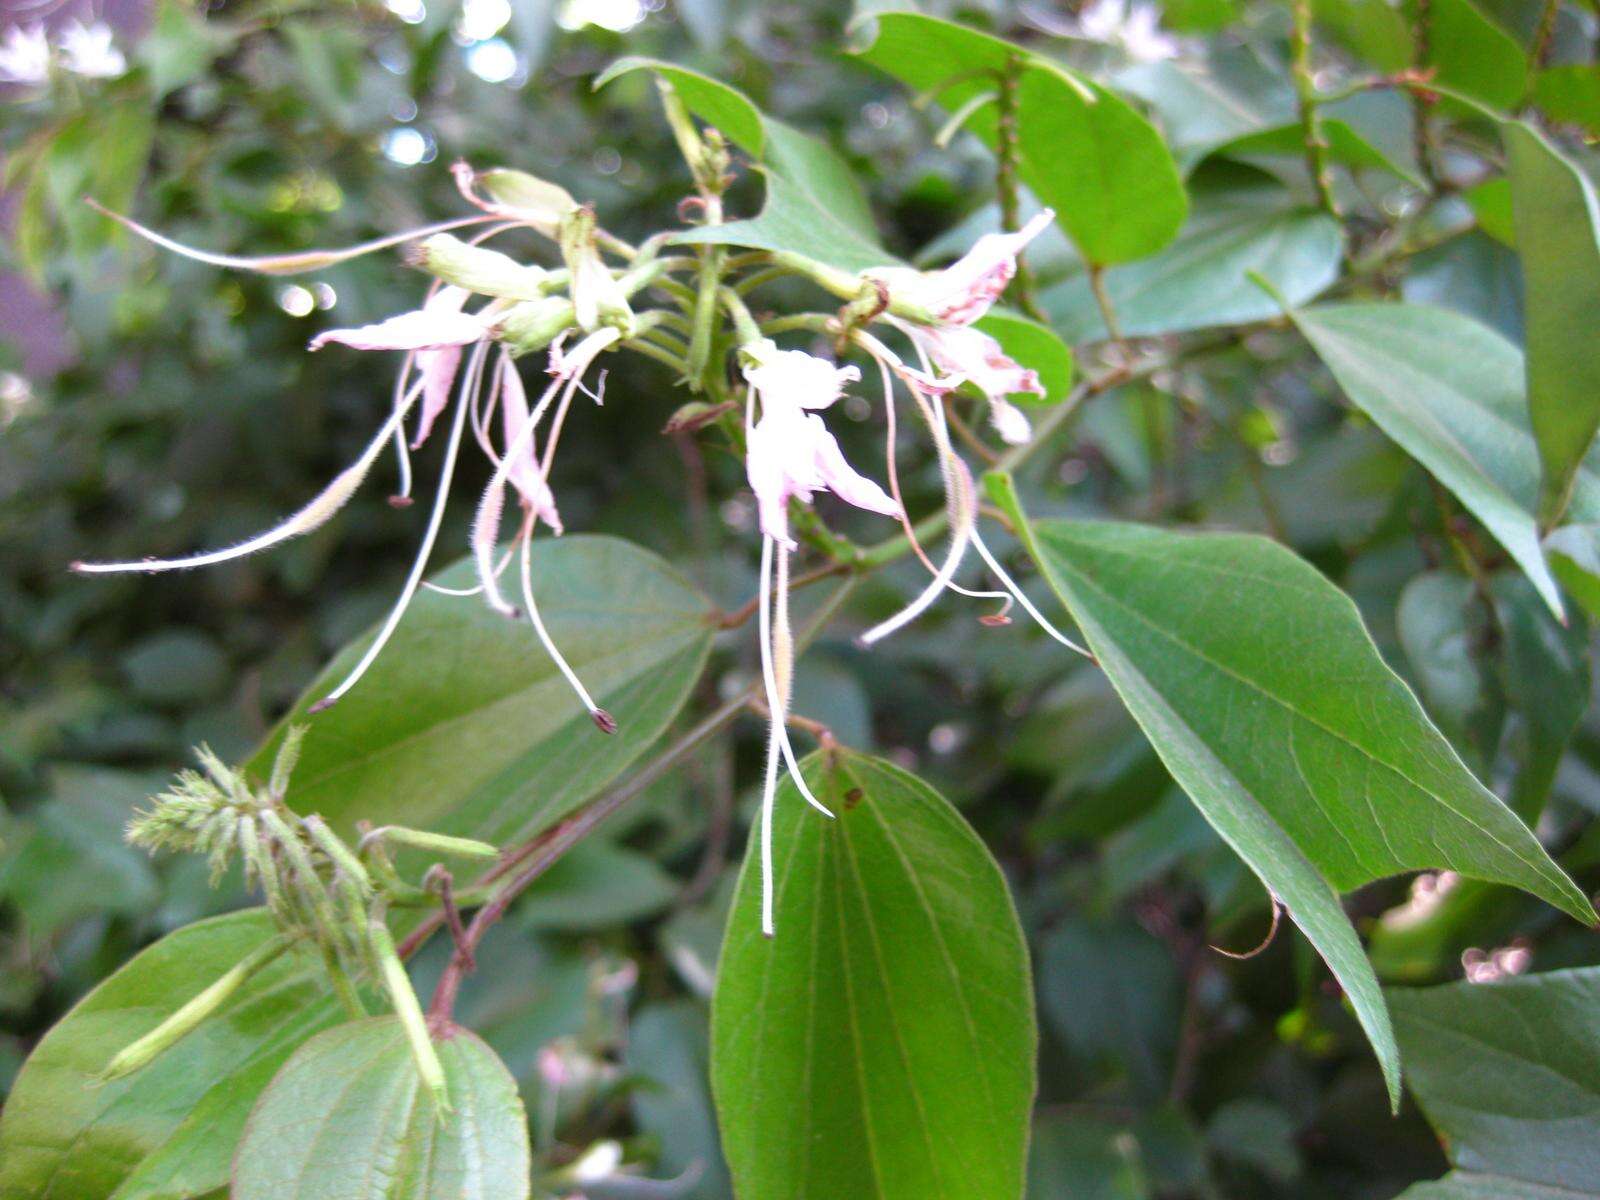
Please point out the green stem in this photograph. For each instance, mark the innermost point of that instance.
(1316, 143)
(1007, 157)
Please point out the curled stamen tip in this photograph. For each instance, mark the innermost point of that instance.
(994, 620)
(322, 705)
(78, 567)
(400, 502)
(604, 720)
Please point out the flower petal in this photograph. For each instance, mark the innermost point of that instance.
(843, 480)
(422, 329)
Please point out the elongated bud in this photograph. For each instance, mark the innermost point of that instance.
(339, 854)
(404, 1001)
(439, 843)
(596, 297)
(533, 324)
(283, 763)
(522, 197)
(187, 1018)
(477, 268)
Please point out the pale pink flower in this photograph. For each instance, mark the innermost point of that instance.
(969, 355)
(89, 50)
(438, 325)
(962, 292)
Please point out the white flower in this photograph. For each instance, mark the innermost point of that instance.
(790, 452)
(1134, 28)
(962, 292)
(971, 356)
(24, 55)
(88, 50)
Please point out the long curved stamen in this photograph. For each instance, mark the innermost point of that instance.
(473, 375)
(599, 715)
(769, 788)
(905, 518)
(572, 370)
(778, 668)
(402, 451)
(1022, 598)
(285, 264)
(959, 491)
(313, 515)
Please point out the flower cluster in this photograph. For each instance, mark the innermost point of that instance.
(460, 371)
(27, 52)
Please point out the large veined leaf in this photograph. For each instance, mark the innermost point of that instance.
(1084, 151)
(349, 1118)
(1509, 1075)
(1471, 54)
(814, 204)
(1558, 239)
(464, 725)
(882, 1044)
(169, 1129)
(1257, 684)
(1202, 279)
(1450, 392)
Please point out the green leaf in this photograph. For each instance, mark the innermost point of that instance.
(464, 725)
(1033, 345)
(1558, 239)
(594, 886)
(1443, 630)
(1546, 681)
(669, 1046)
(814, 204)
(1200, 281)
(1450, 392)
(1570, 95)
(1508, 1073)
(1257, 684)
(1473, 55)
(1491, 204)
(1083, 150)
(882, 1045)
(348, 1115)
(169, 1129)
(1345, 146)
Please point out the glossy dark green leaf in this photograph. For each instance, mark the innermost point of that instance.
(1547, 683)
(882, 1044)
(1570, 95)
(1558, 240)
(814, 205)
(1307, 754)
(1201, 280)
(1508, 1073)
(1450, 392)
(464, 725)
(1036, 346)
(169, 1129)
(1084, 151)
(348, 1115)
(1445, 633)
(1472, 54)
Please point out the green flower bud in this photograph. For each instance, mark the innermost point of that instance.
(533, 201)
(477, 268)
(144, 1051)
(439, 843)
(404, 1002)
(534, 324)
(597, 298)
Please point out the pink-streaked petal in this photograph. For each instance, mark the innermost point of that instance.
(843, 480)
(523, 470)
(438, 370)
(802, 380)
(770, 480)
(418, 330)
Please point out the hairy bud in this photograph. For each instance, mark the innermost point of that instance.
(533, 324)
(477, 268)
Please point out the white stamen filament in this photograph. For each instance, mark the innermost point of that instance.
(402, 451)
(486, 526)
(782, 683)
(469, 383)
(286, 264)
(1022, 598)
(601, 717)
(321, 508)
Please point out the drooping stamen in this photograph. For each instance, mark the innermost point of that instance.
(402, 494)
(317, 513)
(600, 716)
(996, 618)
(778, 670)
(1022, 597)
(571, 370)
(469, 383)
(285, 264)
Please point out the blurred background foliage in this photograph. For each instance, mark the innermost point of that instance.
(151, 405)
